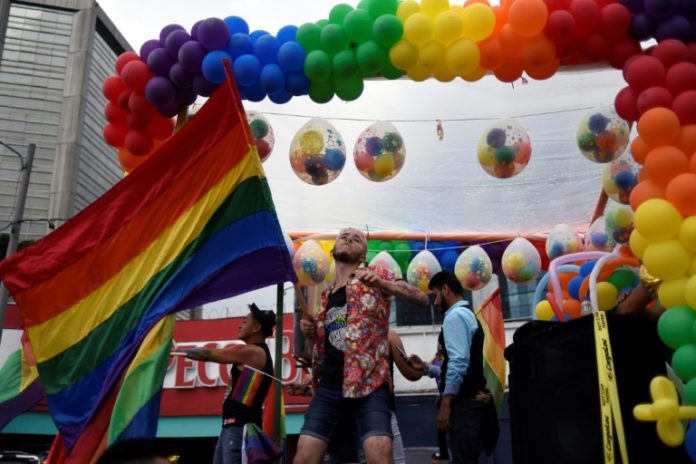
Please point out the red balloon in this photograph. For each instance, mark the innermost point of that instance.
(128, 160)
(112, 87)
(114, 134)
(654, 97)
(644, 72)
(137, 103)
(543, 72)
(538, 52)
(568, 53)
(114, 113)
(125, 58)
(554, 5)
(670, 51)
(510, 70)
(691, 52)
(123, 98)
(626, 104)
(685, 107)
(138, 121)
(161, 127)
(263, 148)
(595, 48)
(492, 55)
(135, 75)
(622, 51)
(139, 143)
(586, 14)
(511, 41)
(614, 21)
(560, 27)
(681, 77)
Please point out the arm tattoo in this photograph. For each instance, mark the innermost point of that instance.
(407, 292)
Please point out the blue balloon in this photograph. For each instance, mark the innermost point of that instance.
(235, 24)
(240, 44)
(574, 287)
(586, 268)
(291, 56)
(246, 70)
(286, 33)
(280, 97)
(625, 180)
(266, 49)
(448, 259)
(417, 246)
(254, 93)
(257, 34)
(213, 68)
(597, 123)
(297, 83)
(690, 440)
(272, 79)
(334, 159)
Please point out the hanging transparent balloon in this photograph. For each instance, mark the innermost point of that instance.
(262, 132)
(619, 177)
(602, 135)
(379, 152)
(311, 263)
(504, 149)
(473, 268)
(421, 269)
(619, 221)
(384, 260)
(317, 152)
(562, 240)
(521, 261)
(597, 238)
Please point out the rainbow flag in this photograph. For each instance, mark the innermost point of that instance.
(20, 388)
(195, 223)
(247, 386)
(490, 316)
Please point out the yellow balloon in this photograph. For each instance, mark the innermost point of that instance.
(486, 154)
(692, 269)
(687, 233)
(331, 274)
(543, 311)
(457, 9)
(403, 55)
(664, 409)
(690, 291)
(667, 260)
(444, 74)
(312, 142)
(638, 244)
(432, 54)
(606, 296)
(433, 7)
(447, 27)
(657, 219)
(463, 56)
(418, 72)
(672, 292)
(327, 246)
(478, 21)
(407, 8)
(608, 183)
(384, 164)
(475, 75)
(418, 28)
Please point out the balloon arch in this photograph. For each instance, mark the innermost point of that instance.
(390, 38)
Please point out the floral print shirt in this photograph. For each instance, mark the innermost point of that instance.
(366, 357)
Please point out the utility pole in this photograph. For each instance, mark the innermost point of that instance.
(25, 170)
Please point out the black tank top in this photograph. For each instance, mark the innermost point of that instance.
(473, 380)
(245, 397)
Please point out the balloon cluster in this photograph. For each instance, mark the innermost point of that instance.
(597, 237)
(317, 152)
(661, 20)
(421, 269)
(602, 136)
(348, 46)
(311, 263)
(664, 76)
(504, 149)
(677, 329)
(562, 240)
(618, 219)
(521, 261)
(133, 125)
(473, 268)
(379, 152)
(262, 132)
(619, 177)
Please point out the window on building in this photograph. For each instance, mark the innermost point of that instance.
(517, 298)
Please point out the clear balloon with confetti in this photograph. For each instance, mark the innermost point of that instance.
(262, 132)
(521, 261)
(619, 177)
(421, 269)
(619, 221)
(379, 152)
(311, 263)
(597, 238)
(504, 149)
(473, 268)
(384, 260)
(602, 135)
(562, 240)
(317, 152)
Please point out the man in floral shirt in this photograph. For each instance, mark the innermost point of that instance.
(351, 353)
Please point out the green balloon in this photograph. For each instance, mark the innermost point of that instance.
(587, 141)
(623, 278)
(387, 30)
(308, 36)
(675, 326)
(339, 12)
(367, 74)
(370, 256)
(385, 245)
(379, 7)
(321, 92)
(402, 250)
(344, 64)
(684, 362)
(690, 393)
(358, 26)
(504, 154)
(370, 56)
(321, 23)
(349, 89)
(317, 66)
(363, 5)
(259, 128)
(333, 38)
(390, 72)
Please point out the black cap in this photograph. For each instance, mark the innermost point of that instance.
(264, 317)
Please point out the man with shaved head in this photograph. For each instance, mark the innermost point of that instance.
(351, 353)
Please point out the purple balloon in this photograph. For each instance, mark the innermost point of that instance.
(169, 110)
(168, 29)
(185, 97)
(147, 47)
(635, 6)
(180, 77)
(676, 27)
(202, 86)
(159, 91)
(191, 56)
(194, 29)
(159, 62)
(660, 9)
(213, 34)
(687, 8)
(175, 40)
(642, 26)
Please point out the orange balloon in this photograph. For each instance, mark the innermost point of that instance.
(512, 42)
(565, 277)
(644, 191)
(528, 17)
(506, 4)
(501, 19)
(128, 160)
(543, 72)
(538, 52)
(492, 56)
(659, 126)
(639, 150)
(471, 2)
(510, 70)
(681, 192)
(572, 308)
(643, 175)
(692, 163)
(687, 139)
(664, 163)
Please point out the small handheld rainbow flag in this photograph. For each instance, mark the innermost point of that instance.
(247, 386)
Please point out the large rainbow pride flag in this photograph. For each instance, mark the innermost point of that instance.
(490, 315)
(195, 223)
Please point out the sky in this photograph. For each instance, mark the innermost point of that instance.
(441, 187)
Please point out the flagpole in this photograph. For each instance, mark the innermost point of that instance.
(278, 363)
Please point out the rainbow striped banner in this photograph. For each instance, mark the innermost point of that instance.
(490, 316)
(246, 387)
